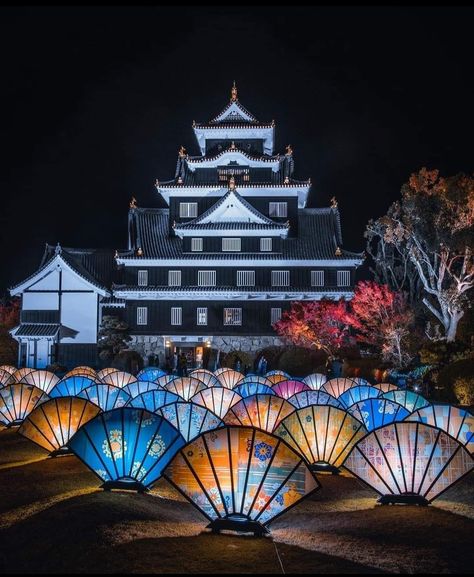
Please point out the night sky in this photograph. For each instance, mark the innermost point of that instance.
(96, 102)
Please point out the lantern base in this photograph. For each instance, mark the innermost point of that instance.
(324, 468)
(405, 499)
(60, 452)
(240, 524)
(124, 484)
(16, 423)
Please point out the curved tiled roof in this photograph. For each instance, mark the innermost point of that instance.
(319, 234)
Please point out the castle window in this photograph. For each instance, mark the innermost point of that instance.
(142, 278)
(232, 316)
(317, 278)
(176, 315)
(245, 278)
(343, 278)
(201, 316)
(196, 244)
(231, 244)
(278, 209)
(174, 278)
(280, 278)
(206, 278)
(142, 315)
(188, 209)
(265, 244)
(275, 315)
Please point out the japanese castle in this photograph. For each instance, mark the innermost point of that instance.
(214, 270)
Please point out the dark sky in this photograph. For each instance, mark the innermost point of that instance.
(96, 101)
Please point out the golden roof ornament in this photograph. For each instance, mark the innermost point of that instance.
(287, 180)
(194, 124)
(233, 93)
(116, 255)
(289, 150)
(338, 251)
(139, 251)
(182, 151)
(333, 202)
(180, 180)
(232, 146)
(232, 183)
(157, 183)
(133, 202)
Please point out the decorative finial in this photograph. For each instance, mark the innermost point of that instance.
(182, 151)
(338, 251)
(273, 122)
(194, 124)
(287, 180)
(232, 146)
(157, 183)
(232, 183)
(58, 249)
(233, 93)
(133, 202)
(180, 180)
(333, 202)
(116, 254)
(139, 251)
(289, 150)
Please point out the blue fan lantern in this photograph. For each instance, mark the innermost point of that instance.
(277, 372)
(255, 379)
(107, 397)
(139, 387)
(150, 374)
(127, 448)
(377, 412)
(306, 398)
(410, 400)
(240, 478)
(208, 378)
(249, 389)
(153, 400)
(190, 419)
(358, 393)
(71, 386)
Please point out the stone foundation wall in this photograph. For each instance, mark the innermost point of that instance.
(148, 345)
(245, 344)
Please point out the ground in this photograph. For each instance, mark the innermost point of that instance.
(53, 518)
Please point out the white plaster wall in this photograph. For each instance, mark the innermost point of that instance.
(79, 312)
(40, 301)
(48, 282)
(72, 281)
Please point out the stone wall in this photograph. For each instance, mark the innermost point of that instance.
(246, 344)
(148, 345)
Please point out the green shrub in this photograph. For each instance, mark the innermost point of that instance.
(272, 354)
(464, 390)
(441, 352)
(370, 369)
(455, 381)
(300, 362)
(228, 360)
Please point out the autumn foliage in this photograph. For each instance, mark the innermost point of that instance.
(9, 318)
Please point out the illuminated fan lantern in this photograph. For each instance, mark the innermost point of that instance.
(106, 397)
(216, 399)
(82, 371)
(249, 389)
(191, 420)
(154, 400)
(361, 382)
(20, 374)
(457, 422)
(336, 387)
(315, 381)
(71, 386)
(54, 422)
(185, 387)
(385, 387)
(274, 379)
(208, 378)
(410, 400)
(409, 462)
(240, 478)
(107, 371)
(378, 412)
(358, 393)
(165, 379)
(127, 448)
(251, 379)
(287, 389)
(229, 378)
(323, 434)
(306, 398)
(119, 379)
(8, 369)
(150, 374)
(261, 411)
(139, 387)
(17, 401)
(6, 378)
(44, 380)
(277, 372)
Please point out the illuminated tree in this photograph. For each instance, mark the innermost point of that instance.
(382, 319)
(9, 318)
(316, 325)
(432, 229)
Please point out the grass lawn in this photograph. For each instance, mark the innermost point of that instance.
(53, 518)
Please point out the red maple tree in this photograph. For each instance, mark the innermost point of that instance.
(9, 318)
(316, 324)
